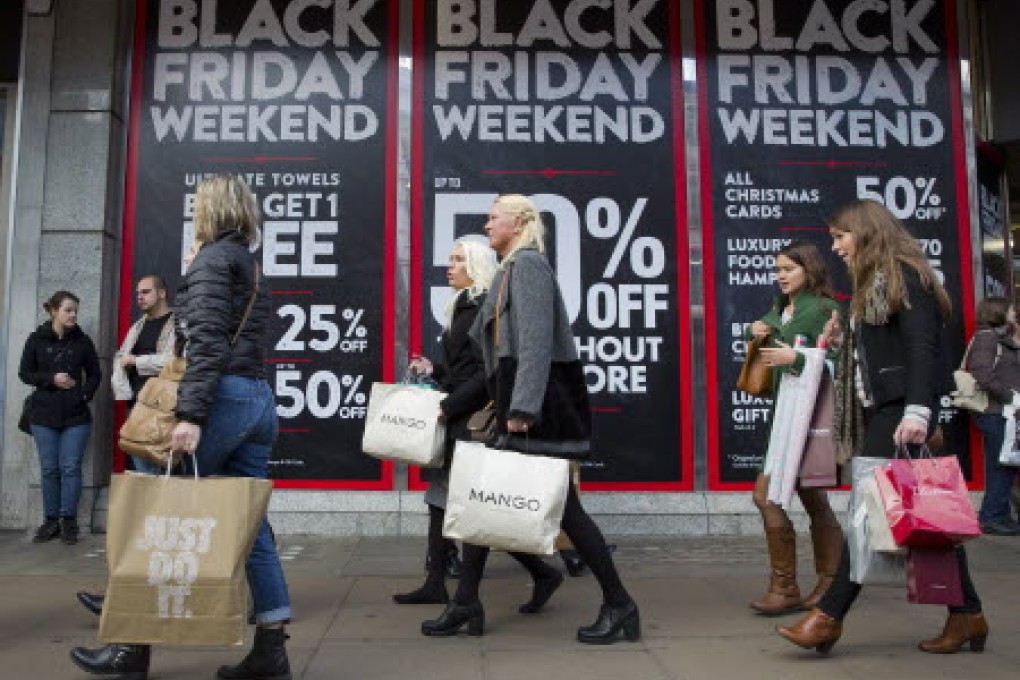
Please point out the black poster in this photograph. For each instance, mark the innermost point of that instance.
(996, 268)
(578, 108)
(805, 105)
(296, 97)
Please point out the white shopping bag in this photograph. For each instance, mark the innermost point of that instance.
(791, 421)
(403, 425)
(1010, 453)
(869, 566)
(504, 499)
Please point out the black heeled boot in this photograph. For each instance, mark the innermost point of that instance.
(572, 561)
(610, 622)
(127, 662)
(454, 567)
(545, 585)
(91, 601)
(267, 659)
(453, 617)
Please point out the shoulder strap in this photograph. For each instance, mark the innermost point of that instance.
(966, 354)
(251, 303)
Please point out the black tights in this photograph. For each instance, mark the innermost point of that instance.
(582, 532)
(841, 594)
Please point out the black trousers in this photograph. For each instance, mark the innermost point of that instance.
(880, 424)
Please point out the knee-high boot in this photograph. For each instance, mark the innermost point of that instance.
(827, 542)
(783, 595)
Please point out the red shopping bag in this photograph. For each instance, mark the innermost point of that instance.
(926, 501)
(933, 577)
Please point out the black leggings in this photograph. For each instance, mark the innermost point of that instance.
(588, 541)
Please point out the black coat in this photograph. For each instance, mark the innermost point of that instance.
(217, 290)
(44, 356)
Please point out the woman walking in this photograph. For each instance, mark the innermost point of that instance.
(887, 392)
(60, 362)
(803, 307)
(537, 382)
(226, 410)
(462, 376)
(994, 361)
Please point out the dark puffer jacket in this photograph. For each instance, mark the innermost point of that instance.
(218, 287)
(44, 356)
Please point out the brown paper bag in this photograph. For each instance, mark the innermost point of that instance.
(176, 549)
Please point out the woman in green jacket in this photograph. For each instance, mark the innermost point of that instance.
(804, 306)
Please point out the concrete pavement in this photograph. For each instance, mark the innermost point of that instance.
(692, 592)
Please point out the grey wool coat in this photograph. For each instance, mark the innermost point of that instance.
(533, 373)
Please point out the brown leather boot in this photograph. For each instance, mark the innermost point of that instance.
(958, 631)
(783, 595)
(827, 542)
(817, 630)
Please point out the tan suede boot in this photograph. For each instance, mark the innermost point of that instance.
(783, 595)
(958, 631)
(827, 542)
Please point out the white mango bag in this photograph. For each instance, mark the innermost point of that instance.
(403, 425)
(1010, 453)
(504, 499)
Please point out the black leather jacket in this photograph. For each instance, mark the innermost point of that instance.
(216, 292)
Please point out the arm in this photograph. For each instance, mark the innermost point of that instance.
(29, 370)
(93, 373)
(471, 394)
(918, 327)
(984, 352)
(533, 305)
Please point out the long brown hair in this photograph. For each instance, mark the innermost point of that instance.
(807, 255)
(882, 244)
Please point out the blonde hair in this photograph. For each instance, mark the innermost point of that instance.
(882, 244)
(532, 229)
(223, 203)
(480, 265)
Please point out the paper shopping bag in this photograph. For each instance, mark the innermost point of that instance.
(176, 548)
(818, 462)
(504, 499)
(933, 576)
(403, 424)
(1010, 452)
(869, 566)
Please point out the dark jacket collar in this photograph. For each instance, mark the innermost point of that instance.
(46, 331)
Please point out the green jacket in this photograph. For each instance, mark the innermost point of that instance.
(811, 313)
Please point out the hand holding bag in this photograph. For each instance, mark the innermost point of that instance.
(755, 377)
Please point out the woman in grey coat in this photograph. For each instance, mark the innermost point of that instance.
(534, 376)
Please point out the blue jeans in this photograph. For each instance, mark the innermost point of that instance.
(236, 441)
(61, 452)
(998, 478)
(146, 466)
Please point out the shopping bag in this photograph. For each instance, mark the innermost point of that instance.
(926, 501)
(504, 499)
(880, 534)
(933, 576)
(818, 462)
(403, 424)
(1010, 453)
(176, 549)
(867, 565)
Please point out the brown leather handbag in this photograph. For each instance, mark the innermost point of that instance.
(755, 377)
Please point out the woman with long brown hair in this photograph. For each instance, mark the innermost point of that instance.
(887, 392)
(803, 307)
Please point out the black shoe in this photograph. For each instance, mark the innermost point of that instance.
(573, 562)
(453, 617)
(128, 662)
(1007, 528)
(544, 588)
(266, 661)
(91, 601)
(68, 530)
(430, 593)
(610, 622)
(49, 530)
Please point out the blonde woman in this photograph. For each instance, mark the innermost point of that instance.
(887, 393)
(226, 409)
(537, 382)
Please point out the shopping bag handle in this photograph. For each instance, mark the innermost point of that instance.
(923, 451)
(194, 467)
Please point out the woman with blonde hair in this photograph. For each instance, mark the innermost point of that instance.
(226, 409)
(537, 382)
(460, 373)
(888, 388)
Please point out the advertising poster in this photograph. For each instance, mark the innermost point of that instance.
(299, 98)
(996, 265)
(578, 106)
(805, 105)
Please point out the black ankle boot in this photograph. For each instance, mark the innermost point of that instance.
(432, 592)
(453, 617)
(127, 662)
(91, 601)
(266, 661)
(68, 530)
(545, 586)
(610, 622)
(47, 531)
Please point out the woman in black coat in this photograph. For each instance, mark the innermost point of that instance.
(461, 375)
(60, 362)
(887, 393)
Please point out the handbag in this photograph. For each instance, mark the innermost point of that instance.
(150, 424)
(483, 424)
(968, 394)
(818, 462)
(755, 377)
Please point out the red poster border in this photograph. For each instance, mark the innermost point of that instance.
(385, 482)
(708, 243)
(684, 383)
